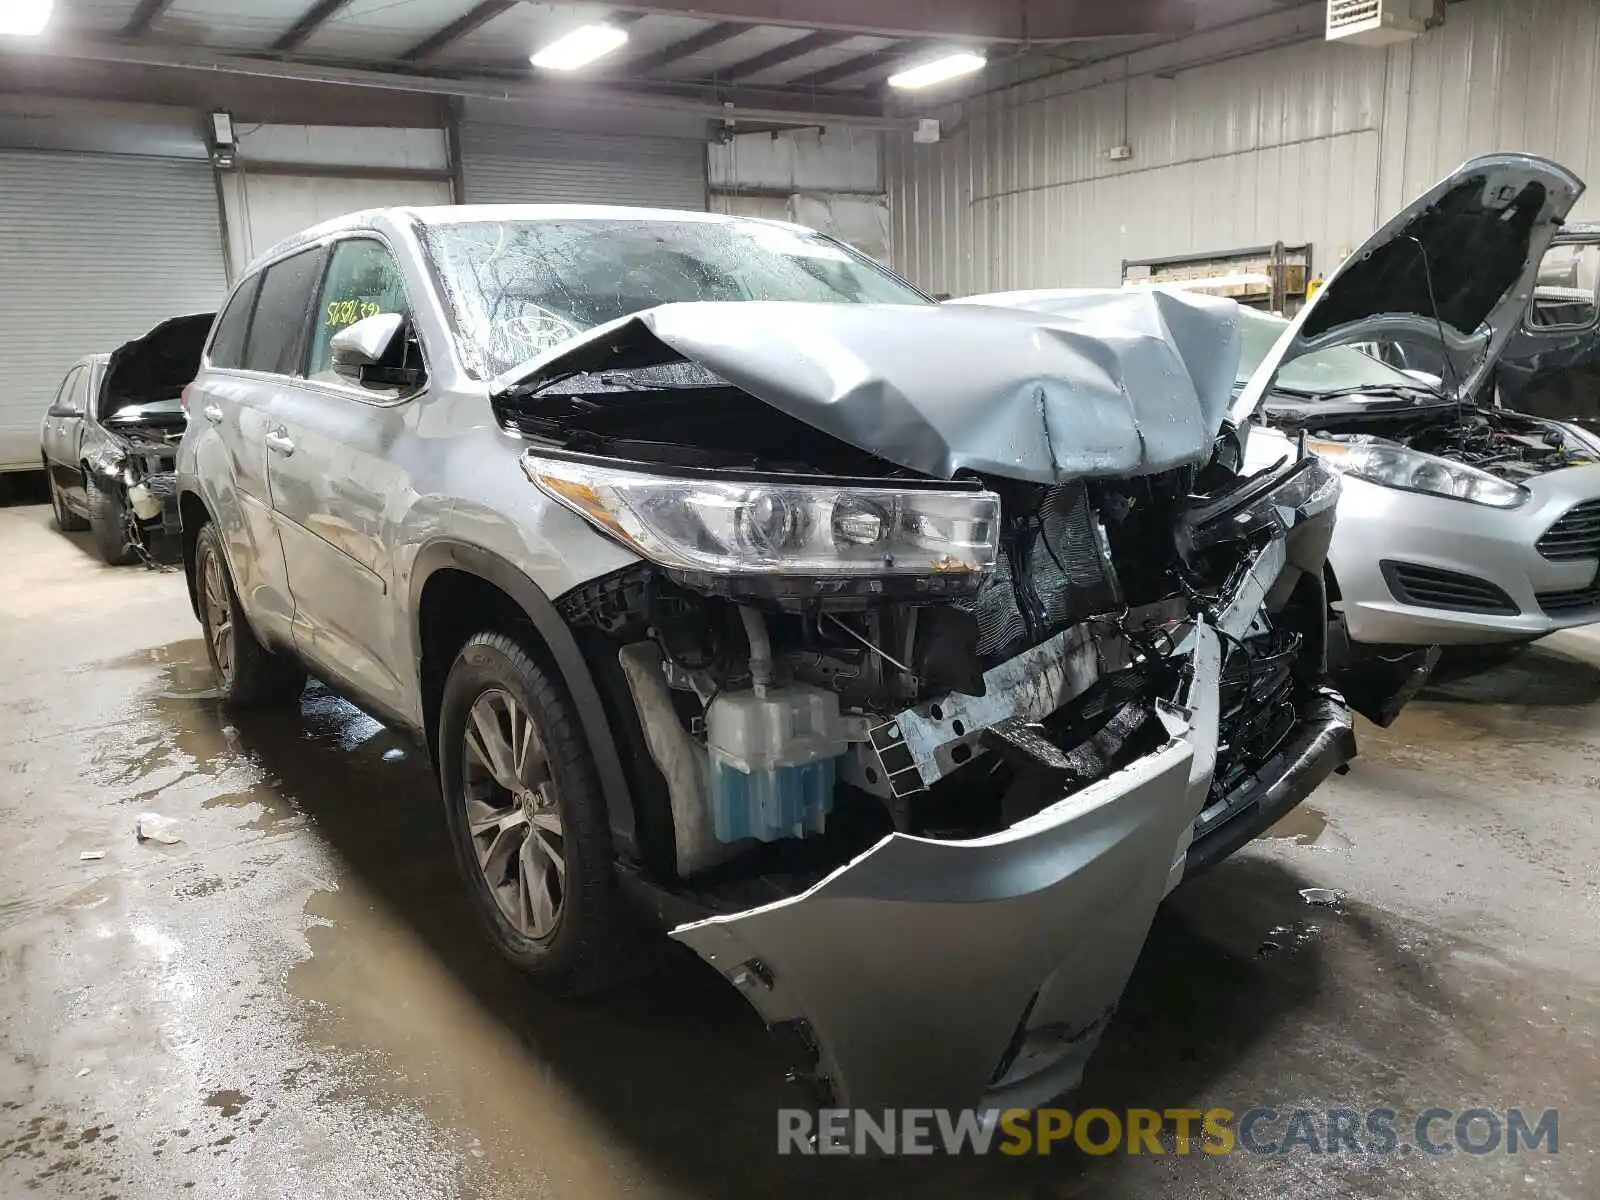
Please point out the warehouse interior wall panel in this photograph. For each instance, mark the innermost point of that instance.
(265, 209)
(288, 177)
(1281, 136)
(97, 249)
(1498, 75)
(841, 159)
(507, 164)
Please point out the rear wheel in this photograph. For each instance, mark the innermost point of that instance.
(526, 814)
(248, 674)
(108, 521)
(67, 520)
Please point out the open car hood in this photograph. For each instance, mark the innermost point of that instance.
(1122, 385)
(157, 366)
(1451, 272)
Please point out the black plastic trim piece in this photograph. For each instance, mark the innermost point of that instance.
(1326, 742)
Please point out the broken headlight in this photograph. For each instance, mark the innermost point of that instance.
(721, 524)
(1390, 464)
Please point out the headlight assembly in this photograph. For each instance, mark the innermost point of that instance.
(720, 525)
(1390, 464)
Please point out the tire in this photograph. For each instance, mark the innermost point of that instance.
(67, 520)
(108, 521)
(586, 944)
(248, 674)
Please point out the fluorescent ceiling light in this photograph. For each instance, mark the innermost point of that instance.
(580, 47)
(951, 66)
(24, 18)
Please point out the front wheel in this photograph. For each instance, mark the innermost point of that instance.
(527, 817)
(247, 673)
(108, 521)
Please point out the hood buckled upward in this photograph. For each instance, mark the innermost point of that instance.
(1130, 385)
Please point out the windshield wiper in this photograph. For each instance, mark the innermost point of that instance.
(1396, 390)
(611, 381)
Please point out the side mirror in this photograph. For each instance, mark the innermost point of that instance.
(63, 411)
(358, 350)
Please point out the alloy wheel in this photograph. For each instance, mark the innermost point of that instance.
(512, 814)
(218, 615)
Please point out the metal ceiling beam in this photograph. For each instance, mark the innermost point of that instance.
(778, 55)
(686, 48)
(877, 60)
(753, 106)
(969, 20)
(475, 17)
(145, 16)
(309, 22)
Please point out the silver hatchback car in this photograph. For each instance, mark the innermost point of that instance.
(896, 657)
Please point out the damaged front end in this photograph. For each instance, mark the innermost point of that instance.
(140, 421)
(141, 466)
(938, 708)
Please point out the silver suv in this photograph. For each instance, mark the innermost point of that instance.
(896, 657)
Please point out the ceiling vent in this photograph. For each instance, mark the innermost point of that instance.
(1378, 22)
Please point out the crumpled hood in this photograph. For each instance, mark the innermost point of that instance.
(1119, 385)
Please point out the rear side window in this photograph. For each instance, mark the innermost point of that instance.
(227, 343)
(280, 317)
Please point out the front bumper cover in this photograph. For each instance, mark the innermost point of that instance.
(1497, 546)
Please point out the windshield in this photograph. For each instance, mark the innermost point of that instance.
(518, 288)
(1337, 369)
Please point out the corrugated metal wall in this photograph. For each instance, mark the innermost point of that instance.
(1303, 142)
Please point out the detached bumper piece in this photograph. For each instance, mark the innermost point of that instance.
(998, 959)
(956, 942)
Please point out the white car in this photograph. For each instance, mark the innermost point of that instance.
(1460, 522)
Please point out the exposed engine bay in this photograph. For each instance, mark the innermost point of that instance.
(1509, 445)
(793, 722)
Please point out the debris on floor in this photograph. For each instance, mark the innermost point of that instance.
(91, 855)
(1322, 897)
(153, 827)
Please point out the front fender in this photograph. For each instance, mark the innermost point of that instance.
(567, 657)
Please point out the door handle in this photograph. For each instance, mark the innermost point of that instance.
(212, 414)
(278, 442)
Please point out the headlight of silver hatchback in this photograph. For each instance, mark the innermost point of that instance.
(723, 525)
(1392, 465)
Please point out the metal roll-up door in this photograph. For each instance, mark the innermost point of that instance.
(94, 250)
(507, 164)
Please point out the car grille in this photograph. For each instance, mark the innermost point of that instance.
(1559, 604)
(1429, 587)
(1256, 695)
(1575, 535)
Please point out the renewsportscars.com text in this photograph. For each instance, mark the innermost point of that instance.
(1261, 1130)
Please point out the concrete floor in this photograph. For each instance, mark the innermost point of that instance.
(292, 1001)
